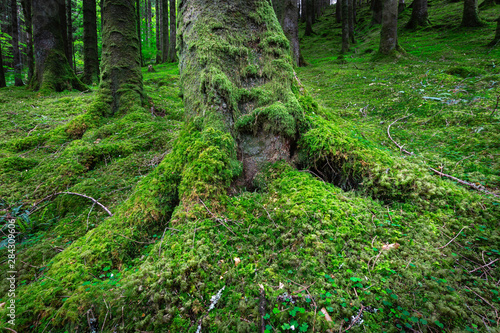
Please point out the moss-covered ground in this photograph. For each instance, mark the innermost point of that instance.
(358, 227)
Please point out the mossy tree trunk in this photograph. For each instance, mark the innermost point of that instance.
(350, 18)
(29, 37)
(309, 13)
(165, 41)
(419, 15)
(121, 80)
(52, 69)
(90, 53)
(376, 7)
(470, 17)
(172, 51)
(158, 31)
(16, 60)
(138, 18)
(237, 77)
(345, 26)
(389, 31)
(2, 72)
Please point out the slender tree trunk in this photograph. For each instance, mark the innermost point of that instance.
(69, 18)
(376, 7)
(350, 11)
(219, 96)
(18, 79)
(419, 15)
(354, 12)
(149, 16)
(158, 30)
(401, 6)
(52, 70)
(389, 31)
(289, 21)
(165, 40)
(338, 11)
(121, 61)
(29, 37)
(172, 52)
(470, 17)
(309, 13)
(345, 26)
(90, 50)
(138, 18)
(2, 71)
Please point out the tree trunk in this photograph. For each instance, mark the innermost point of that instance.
(52, 70)
(121, 61)
(2, 71)
(246, 92)
(149, 16)
(90, 50)
(470, 17)
(338, 11)
(496, 40)
(289, 21)
(138, 18)
(345, 27)
(69, 45)
(389, 31)
(165, 40)
(376, 7)
(29, 37)
(309, 13)
(172, 52)
(401, 6)
(16, 60)
(158, 30)
(350, 18)
(419, 14)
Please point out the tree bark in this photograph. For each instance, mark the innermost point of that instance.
(52, 70)
(138, 18)
(389, 31)
(345, 26)
(350, 11)
(237, 78)
(470, 17)
(165, 40)
(158, 30)
(376, 7)
(18, 79)
(172, 52)
(287, 12)
(309, 13)
(121, 61)
(149, 16)
(2, 71)
(90, 50)
(419, 15)
(69, 45)
(29, 37)
(338, 11)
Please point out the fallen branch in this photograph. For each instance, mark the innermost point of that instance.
(390, 137)
(491, 262)
(442, 247)
(463, 182)
(72, 193)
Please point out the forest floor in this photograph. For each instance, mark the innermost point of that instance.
(423, 259)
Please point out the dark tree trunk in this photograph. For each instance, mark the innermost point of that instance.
(376, 7)
(90, 50)
(470, 17)
(52, 70)
(389, 31)
(354, 11)
(219, 87)
(148, 15)
(345, 26)
(121, 61)
(309, 13)
(69, 52)
(419, 14)
(165, 40)
(401, 6)
(16, 60)
(338, 11)
(2, 71)
(496, 40)
(350, 11)
(172, 52)
(138, 18)
(289, 21)
(158, 31)
(29, 37)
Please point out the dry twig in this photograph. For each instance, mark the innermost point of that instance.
(390, 137)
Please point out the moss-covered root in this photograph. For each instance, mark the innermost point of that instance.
(121, 85)
(237, 76)
(52, 70)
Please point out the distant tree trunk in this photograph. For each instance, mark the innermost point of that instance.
(345, 26)
(212, 85)
(2, 71)
(29, 37)
(376, 7)
(70, 34)
(165, 40)
(389, 31)
(16, 61)
(52, 70)
(354, 11)
(401, 6)
(158, 31)
(470, 17)
(496, 40)
(138, 17)
(289, 21)
(149, 16)
(309, 13)
(90, 50)
(121, 61)
(338, 11)
(172, 52)
(419, 15)
(350, 18)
